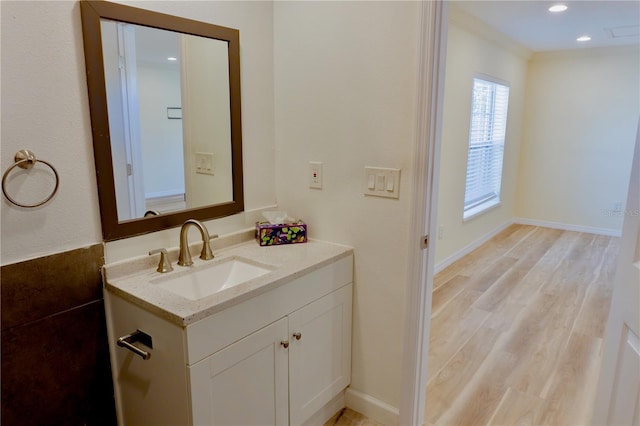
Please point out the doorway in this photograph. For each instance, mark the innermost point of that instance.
(422, 263)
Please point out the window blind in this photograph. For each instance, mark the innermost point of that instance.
(489, 107)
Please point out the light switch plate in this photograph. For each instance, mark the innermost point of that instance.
(382, 182)
(204, 163)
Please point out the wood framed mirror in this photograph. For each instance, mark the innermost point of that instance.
(164, 98)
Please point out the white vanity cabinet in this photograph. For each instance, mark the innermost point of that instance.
(245, 383)
(281, 374)
(276, 358)
(319, 353)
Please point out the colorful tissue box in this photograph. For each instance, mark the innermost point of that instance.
(268, 234)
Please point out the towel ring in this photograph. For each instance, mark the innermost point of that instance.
(26, 159)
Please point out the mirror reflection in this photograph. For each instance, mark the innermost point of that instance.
(168, 102)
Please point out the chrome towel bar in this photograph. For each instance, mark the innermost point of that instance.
(137, 336)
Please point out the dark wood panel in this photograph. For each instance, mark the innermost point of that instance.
(55, 355)
(34, 289)
(56, 371)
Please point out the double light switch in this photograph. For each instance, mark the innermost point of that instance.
(382, 182)
(204, 163)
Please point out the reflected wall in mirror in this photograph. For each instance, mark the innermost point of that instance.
(164, 95)
(168, 101)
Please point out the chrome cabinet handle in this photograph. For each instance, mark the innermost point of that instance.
(284, 344)
(297, 335)
(137, 336)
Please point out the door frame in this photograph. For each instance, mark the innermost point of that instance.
(611, 404)
(432, 46)
(131, 117)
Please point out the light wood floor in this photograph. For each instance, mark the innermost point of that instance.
(348, 417)
(516, 331)
(517, 327)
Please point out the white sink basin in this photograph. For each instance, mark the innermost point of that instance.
(206, 280)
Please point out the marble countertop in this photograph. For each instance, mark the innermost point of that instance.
(133, 280)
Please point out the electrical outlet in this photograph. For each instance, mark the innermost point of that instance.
(315, 174)
(617, 206)
(440, 232)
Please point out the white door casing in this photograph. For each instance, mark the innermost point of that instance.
(618, 393)
(424, 208)
(120, 68)
(131, 117)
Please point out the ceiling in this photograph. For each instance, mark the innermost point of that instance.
(609, 23)
(155, 45)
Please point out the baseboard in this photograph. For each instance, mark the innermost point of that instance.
(372, 407)
(327, 411)
(471, 247)
(568, 227)
(166, 203)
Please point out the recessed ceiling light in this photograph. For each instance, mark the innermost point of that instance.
(171, 58)
(583, 38)
(558, 8)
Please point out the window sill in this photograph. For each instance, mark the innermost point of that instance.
(480, 209)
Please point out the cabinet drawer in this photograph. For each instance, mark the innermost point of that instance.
(211, 334)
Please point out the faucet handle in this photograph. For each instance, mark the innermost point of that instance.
(207, 253)
(164, 265)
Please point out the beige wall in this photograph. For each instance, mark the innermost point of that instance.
(45, 109)
(345, 95)
(473, 48)
(207, 128)
(339, 87)
(160, 139)
(582, 110)
(571, 126)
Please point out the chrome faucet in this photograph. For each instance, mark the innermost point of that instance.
(184, 256)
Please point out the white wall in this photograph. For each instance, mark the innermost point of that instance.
(474, 48)
(345, 96)
(160, 138)
(346, 82)
(45, 109)
(207, 119)
(581, 115)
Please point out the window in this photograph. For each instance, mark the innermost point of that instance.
(489, 106)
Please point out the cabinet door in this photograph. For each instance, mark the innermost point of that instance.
(244, 384)
(320, 360)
